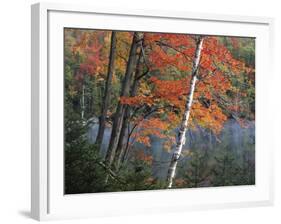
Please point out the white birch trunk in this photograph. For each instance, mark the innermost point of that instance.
(83, 102)
(184, 123)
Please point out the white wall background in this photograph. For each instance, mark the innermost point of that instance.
(15, 110)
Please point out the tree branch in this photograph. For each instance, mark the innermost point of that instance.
(112, 174)
(160, 43)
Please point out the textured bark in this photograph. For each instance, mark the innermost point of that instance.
(107, 92)
(121, 141)
(185, 118)
(127, 113)
(119, 114)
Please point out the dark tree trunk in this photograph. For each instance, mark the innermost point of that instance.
(107, 91)
(121, 141)
(127, 113)
(119, 114)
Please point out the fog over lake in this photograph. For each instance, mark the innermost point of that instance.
(237, 138)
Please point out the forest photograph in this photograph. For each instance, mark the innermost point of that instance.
(156, 111)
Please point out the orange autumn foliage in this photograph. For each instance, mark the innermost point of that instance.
(212, 117)
(171, 91)
(165, 53)
(147, 127)
(137, 100)
(91, 46)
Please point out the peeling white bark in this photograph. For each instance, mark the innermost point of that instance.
(184, 123)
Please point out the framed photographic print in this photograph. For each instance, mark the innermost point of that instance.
(148, 111)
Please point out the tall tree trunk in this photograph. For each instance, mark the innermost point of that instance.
(119, 114)
(185, 118)
(127, 113)
(123, 133)
(107, 91)
(83, 101)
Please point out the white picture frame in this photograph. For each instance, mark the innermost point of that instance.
(47, 198)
